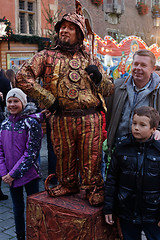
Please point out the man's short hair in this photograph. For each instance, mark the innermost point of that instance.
(157, 68)
(149, 112)
(145, 52)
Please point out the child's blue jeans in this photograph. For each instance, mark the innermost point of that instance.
(19, 203)
(134, 231)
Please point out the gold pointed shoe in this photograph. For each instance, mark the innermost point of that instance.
(95, 196)
(60, 190)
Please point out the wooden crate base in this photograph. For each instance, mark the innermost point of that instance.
(65, 218)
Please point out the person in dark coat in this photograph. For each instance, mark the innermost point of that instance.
(132, 189)
(4, 88)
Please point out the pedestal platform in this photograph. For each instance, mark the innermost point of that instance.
(65, 218)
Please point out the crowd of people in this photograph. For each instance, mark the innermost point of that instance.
(78, 99)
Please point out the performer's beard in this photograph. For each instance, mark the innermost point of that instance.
(66, 43)
(66, 46)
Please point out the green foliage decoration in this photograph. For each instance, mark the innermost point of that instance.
(8, 28)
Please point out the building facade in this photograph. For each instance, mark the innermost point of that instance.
(117, 18)
(121, 18)
(26, 19)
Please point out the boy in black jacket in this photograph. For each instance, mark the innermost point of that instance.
(132, 189)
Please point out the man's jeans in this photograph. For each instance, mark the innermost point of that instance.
(134, 231)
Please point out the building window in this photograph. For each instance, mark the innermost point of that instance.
(113, 33)
(114, 6)
(30, 6)
(21, 5)
(156, 2)
(27, 17)
(22, 22)
(31, 23)
(87, 16)
(140, 1)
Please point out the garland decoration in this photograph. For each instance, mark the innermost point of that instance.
(5, 30)
(7, 35)
(41, 41)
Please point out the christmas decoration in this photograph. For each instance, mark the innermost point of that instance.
(118, 56)
(42, 42)
(5, 29)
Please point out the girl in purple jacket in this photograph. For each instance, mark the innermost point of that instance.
(20, 143)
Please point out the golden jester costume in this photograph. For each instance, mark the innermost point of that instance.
(76, 124)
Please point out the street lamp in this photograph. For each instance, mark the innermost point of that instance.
(156, 22)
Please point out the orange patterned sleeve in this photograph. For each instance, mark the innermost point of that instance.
(26, 79)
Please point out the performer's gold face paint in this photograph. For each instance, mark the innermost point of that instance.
(67, 33)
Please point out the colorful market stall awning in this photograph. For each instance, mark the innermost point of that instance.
(129, 44)
(118, 56)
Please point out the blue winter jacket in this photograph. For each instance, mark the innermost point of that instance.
(20, 143)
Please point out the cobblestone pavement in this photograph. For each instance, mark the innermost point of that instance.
(7, 228)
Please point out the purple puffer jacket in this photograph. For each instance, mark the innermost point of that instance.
(20, 143)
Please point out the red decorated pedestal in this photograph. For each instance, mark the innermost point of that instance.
(65, 218)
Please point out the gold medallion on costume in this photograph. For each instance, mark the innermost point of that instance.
(75, 63)
(72, 93)
(74, 76)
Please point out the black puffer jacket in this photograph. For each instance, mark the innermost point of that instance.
(4, 88)
(132, 189)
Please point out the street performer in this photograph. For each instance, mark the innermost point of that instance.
(73, 90)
